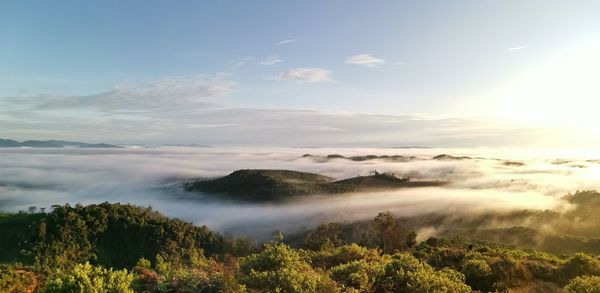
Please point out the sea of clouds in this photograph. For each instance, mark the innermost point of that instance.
(153, 176)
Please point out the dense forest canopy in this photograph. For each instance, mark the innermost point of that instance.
(124, 248)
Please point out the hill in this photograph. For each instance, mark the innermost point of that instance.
(112, 235)
(269, 185)
(9, 143)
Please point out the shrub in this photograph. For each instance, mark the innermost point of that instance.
(580, 264)
(357, 274)
(278, 268)
(90, 279)
(15, 280)
(331, 257)
(405, 273)
(585, 284)
(477, 273)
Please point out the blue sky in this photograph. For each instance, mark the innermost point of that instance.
(421, 60)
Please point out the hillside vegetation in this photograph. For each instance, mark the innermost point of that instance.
(124, 248)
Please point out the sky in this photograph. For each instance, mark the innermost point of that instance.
(302, 73)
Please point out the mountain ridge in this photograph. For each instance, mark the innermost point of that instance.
(9, 143)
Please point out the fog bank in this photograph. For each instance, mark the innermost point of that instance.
(152, 177)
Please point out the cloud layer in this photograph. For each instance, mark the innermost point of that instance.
(43, 177)
(195, 109)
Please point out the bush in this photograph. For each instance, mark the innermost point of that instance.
(477, 273)
(331, 257)
(278, 268)
(585, 284)
(580, 264)
(90, 279)
(16, 280)
(405, 273)
(357, 274)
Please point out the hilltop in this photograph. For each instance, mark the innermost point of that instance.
(268, 185)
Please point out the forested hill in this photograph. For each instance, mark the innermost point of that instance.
(123, 248)
(112, 235)
(273, 185)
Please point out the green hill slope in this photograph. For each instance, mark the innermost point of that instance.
(269, 185)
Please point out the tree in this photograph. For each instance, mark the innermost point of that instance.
(411, 239)
(324, 234)
(32, 209)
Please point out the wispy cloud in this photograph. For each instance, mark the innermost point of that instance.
(271, 60)
(288, 41)
(239, 62)
(365, 60)
(167, 93)
(301, 74)
(518, 48)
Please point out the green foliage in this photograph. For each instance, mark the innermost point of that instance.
(16, 230)
(492, 267)
(17, 279)
(580, 264)
(358, 274)
(278, 268)
(329, 257)
(90, 279)
(197, 274)
(405, 273)
(477, 273)
(173, 256)
(324, 234)
(113, 235)
(585, 284)
(241, 246)
(143, 263)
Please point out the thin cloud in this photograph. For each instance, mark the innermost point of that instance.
(271, 60)
(310, 75)
(167, 93)
(239, 62)
(288, 41)
(518, 48)
(365, 60)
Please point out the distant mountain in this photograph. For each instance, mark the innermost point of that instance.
(9, 143)
(446, 157)
(390, 158)
(273, 185)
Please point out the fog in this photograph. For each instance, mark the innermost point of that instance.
(153, 176)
